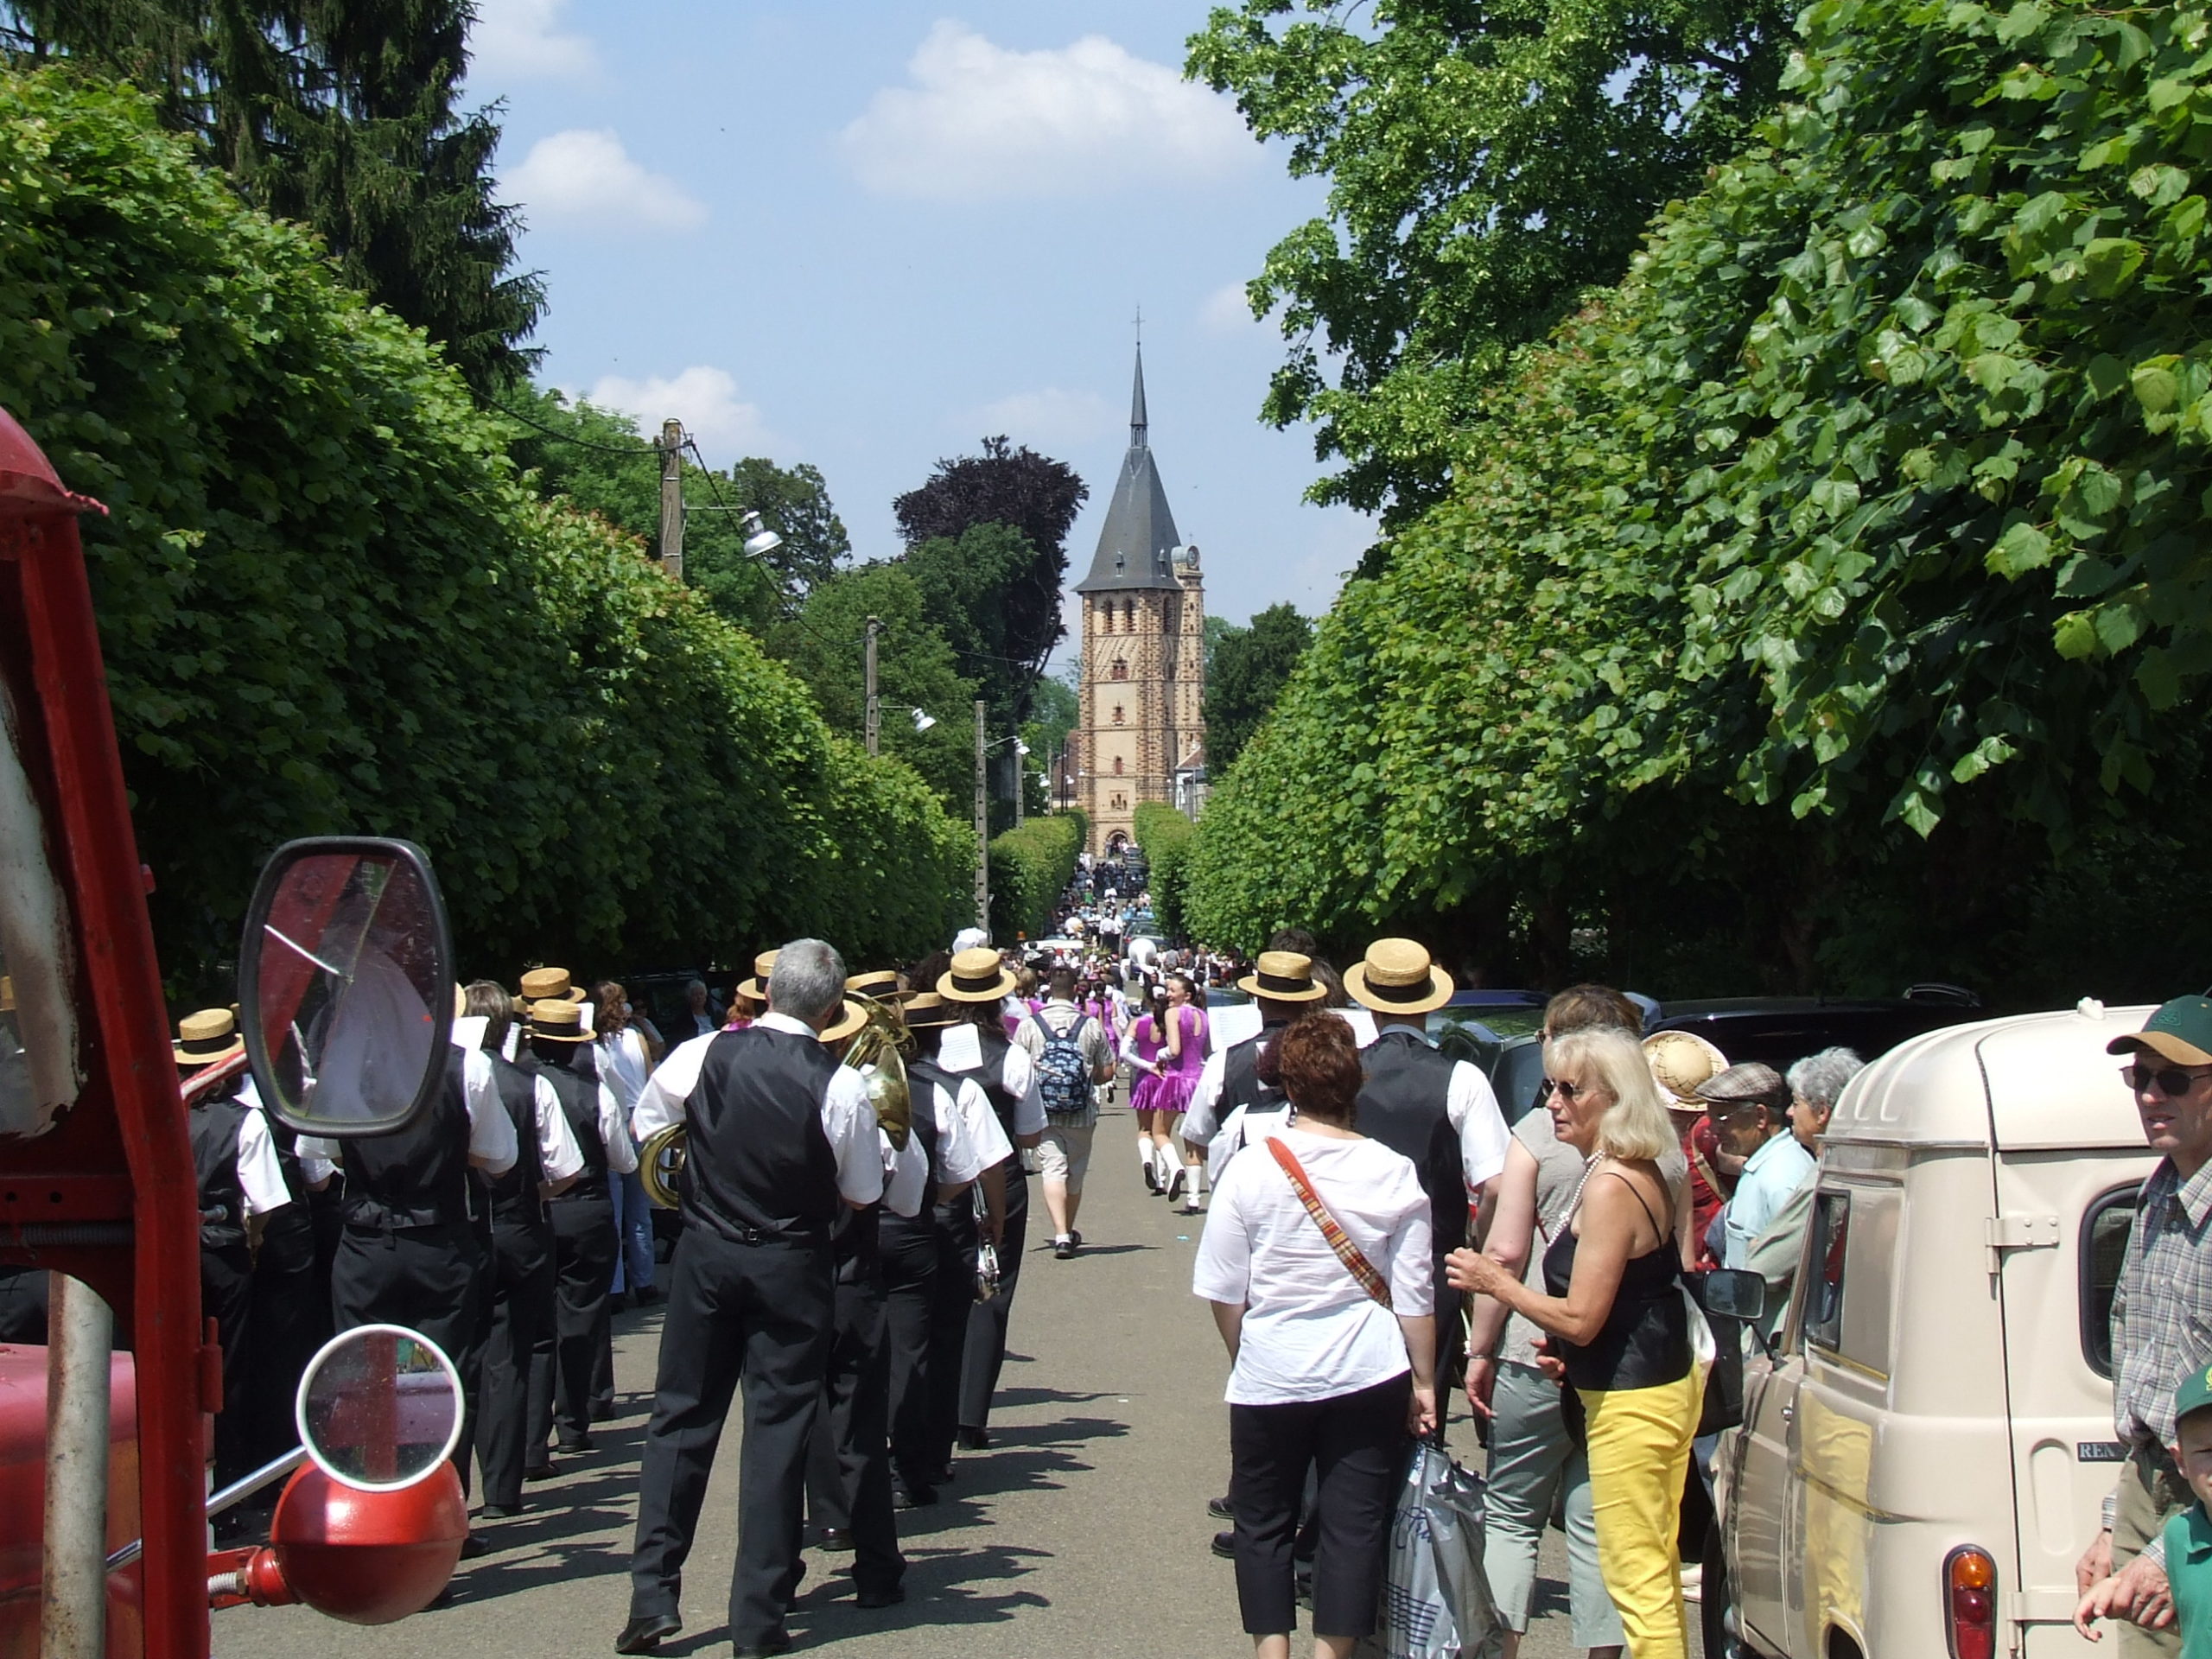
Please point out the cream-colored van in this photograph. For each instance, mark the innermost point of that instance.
(1922, 1461)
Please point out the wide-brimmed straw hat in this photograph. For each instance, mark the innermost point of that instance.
(1682, 1063)
(851, 1016)
(548, 985)
(1284, 976)
(755, 989)
(557, 1022)
(1397, 977)
(207, 1037)
(976, 976)
(926, 1009)
(880, 985)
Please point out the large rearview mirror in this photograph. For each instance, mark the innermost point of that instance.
(380, 1408)
(345, 985)
(1735, 1294)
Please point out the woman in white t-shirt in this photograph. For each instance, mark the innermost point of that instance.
(1326, 1374)
(626, 1060)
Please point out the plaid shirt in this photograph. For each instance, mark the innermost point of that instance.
(2162, 1313)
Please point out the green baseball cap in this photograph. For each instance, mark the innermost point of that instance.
(2194, 1393)
(2181, 1030)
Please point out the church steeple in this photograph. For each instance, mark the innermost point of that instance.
(1135, 546)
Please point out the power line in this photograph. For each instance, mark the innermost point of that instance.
(642, 447)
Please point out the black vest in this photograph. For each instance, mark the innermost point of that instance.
(924, 1077)
(757, 1159)
(991, 1074)
(1240, 1077)
(214, 1130)
(579, 1105)
(1405, 1105)
(518, 1196)
(417, 1176)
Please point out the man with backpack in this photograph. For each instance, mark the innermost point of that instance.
(1072, 1054)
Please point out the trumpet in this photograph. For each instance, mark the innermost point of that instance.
(660, 1165)
(877, 1052)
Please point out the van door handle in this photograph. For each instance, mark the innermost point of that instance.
(1790, 1411)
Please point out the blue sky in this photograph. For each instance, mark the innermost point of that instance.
(865, 235)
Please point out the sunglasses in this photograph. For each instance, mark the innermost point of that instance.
(1569, 1092)
(2172, 1080)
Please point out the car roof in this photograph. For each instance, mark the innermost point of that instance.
(2037, 1080)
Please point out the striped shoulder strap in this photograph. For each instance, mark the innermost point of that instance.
(1347, 1252)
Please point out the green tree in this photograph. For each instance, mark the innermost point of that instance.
(965, 582)
(345, 116)
(794, 502)
(1245, 673)
(1486, 164)
(1053, 711)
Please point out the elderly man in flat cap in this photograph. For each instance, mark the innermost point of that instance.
(1750, 1107)
(2163, 1308)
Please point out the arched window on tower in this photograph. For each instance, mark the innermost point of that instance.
(1117, 713)
(1121, 669)
(1117, 765)
(1129, 616)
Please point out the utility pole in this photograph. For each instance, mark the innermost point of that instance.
(671, 496)
(874, 709)
(983, 826)
(1021, 786)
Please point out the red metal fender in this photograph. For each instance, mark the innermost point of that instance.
(367, 1558)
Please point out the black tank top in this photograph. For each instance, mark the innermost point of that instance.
(1645, 1340)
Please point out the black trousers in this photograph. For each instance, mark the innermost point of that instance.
(848, 1466)
(987, 1321)
(766, 1312)
(909, 1246)
(521, 1310)
(1355, 1444)
(226, 1297)
(560, 1372)
(291, 1319)
(430, 1279)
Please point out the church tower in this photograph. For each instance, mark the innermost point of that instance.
(1144, 605)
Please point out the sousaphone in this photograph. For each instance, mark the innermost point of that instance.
(878, 1052)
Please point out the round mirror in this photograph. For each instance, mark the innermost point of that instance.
(380, 1408)
(346, 986)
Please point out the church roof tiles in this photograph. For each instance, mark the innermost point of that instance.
(1136, 548)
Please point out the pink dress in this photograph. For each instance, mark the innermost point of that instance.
(1182, 1074)
(1144, 1036)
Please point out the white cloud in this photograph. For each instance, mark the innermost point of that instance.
(705, 398)
(585, 177)
(1227, 311)
(981, 121)
(1048, 416)
(516, 40)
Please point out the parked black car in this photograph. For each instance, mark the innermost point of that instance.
(1782, 1030)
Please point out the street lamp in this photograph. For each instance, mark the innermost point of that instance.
(922, 722)
(759, 540)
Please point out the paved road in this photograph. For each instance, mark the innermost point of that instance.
(1081, 1534)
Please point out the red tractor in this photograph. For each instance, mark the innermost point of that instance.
(345, 975)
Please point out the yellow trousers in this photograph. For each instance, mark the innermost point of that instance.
(1639, 1441)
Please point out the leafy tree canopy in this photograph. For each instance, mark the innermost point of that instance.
(1246, 671)
(342, 114)
(967, 584)
(1487, 162)
(1036, 497)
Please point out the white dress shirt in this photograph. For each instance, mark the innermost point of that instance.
(961, 1049)
(856, 1144)
(968, 1137)
(259, 1173)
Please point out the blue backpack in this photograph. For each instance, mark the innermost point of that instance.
(1063, 1075)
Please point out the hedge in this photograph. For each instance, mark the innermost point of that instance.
(1166, 835)
(1031, 867)
(328, 604)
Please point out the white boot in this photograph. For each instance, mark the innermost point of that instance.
(1193, 1194)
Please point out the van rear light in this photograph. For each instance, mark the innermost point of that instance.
(1970, 1603)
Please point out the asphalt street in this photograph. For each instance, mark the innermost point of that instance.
(1082, 1532)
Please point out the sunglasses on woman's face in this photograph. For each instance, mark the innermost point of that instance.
(2171, 1080)
(1569, 1092)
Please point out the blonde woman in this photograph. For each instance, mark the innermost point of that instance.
(1616, 1326)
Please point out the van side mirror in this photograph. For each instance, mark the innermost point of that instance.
(1735, 1294)
(345, 985)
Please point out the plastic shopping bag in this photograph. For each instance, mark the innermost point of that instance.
(1436, 1599)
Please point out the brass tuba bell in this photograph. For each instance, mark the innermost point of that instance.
(660, 1165)
(877, 1053)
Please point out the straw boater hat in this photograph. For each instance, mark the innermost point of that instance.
(1396, 977)
(977, 976)
(1284, 976)
(880, 986)
(548, 985)
(755, 989)
(557, 1022)
(926, 1009)
(205, 1037)
(1682, 1063)
(850, 1018)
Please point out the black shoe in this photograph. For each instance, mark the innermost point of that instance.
(1224, 1545)
(645, 1295)
(602, 1411)
(890, 1597)
(1062, 1249)
(582, 1443)
(1175, 1185)
(1075, 1238)
(647, 1632)
(617, 1302)
(545, 1470)
(1151, 1176)
(501, 1511)
(974, 1439)
(943, 1477)
(779, 1643)
(473, 1548)
(1220, 1508)
(912, 1497)
(837, 1540)
(1302, 1590)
